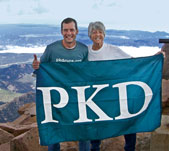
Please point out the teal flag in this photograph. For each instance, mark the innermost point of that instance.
(99, 99)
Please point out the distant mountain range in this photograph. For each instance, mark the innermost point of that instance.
(17, 87)
(9, 111)
(7, 59)
(28, 35)
(17, 78)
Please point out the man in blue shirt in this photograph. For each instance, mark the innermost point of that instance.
(66, 50)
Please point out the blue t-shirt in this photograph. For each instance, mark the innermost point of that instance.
(56, 52)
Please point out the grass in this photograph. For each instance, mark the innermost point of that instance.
(7, 96)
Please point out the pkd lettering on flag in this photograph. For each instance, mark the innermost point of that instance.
(99, 99)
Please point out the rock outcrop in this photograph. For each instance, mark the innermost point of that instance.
(22, 135)
(165, 93)
(160, 137)
(165, 48)
(165, 81)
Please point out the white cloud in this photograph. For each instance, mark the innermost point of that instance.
(99, 4)
(18, 49)
(40, 9)
(140, 51)
(133, 51)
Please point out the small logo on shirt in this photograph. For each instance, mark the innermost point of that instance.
(67, 60)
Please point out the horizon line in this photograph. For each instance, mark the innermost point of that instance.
(108, 27)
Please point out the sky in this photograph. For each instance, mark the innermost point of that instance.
(145, 15)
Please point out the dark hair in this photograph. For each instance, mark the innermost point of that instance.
(69, 20)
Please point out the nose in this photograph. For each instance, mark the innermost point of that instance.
(69, 32)
(97, 33)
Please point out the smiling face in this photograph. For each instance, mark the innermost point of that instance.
(97, 36)
(69, 33)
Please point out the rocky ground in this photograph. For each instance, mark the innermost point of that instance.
(22, 135)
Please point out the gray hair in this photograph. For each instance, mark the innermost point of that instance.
(96, 26)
